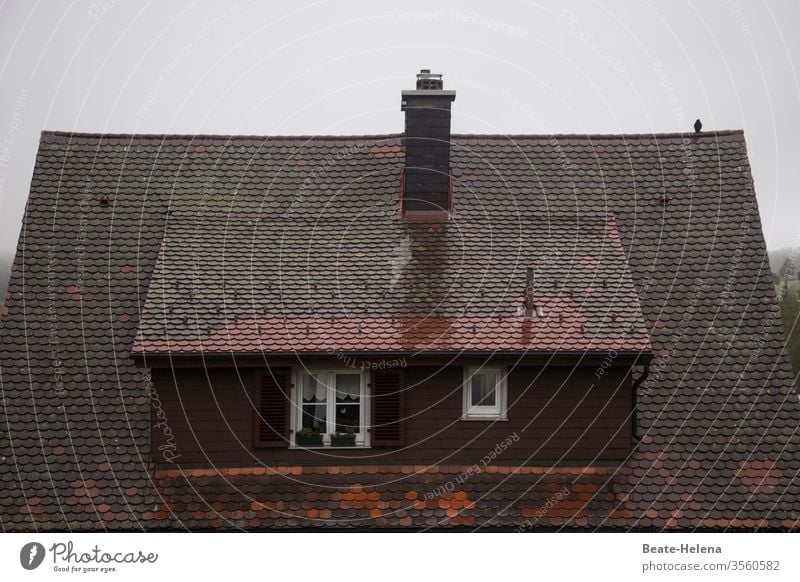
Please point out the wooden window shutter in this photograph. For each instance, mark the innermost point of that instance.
(273, 399)
(388, 411)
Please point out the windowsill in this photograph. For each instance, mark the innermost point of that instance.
(486, 418)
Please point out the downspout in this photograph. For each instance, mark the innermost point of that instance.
(635, 399)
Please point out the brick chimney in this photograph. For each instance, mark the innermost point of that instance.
(426, 177)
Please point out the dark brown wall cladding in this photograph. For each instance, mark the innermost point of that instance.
(558, 414)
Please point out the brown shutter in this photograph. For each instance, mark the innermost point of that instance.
(388, 412)
(273, 396)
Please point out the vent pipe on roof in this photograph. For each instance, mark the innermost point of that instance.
(529, 304)
(426, 174)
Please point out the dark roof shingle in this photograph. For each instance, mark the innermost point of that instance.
(717, 417)
(238, 283)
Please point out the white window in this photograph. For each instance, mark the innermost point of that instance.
(330, 409)
(484, 394)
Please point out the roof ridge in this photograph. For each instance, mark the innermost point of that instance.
(214, 135)
(307, 137)
(606, 135)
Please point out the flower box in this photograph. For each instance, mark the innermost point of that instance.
(314, 440)
(343, 440)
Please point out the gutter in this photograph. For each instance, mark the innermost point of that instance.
(582, 354)
(189, 360)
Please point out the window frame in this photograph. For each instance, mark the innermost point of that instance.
(363, 437)
(498, 411)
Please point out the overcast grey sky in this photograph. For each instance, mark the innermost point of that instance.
(324, 67)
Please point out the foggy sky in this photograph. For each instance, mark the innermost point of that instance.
(338, 68)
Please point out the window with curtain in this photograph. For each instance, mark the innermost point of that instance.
(331, 406)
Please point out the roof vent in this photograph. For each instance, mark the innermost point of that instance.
(530, 306)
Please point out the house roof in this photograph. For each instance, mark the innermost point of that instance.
(717, 416)
(344, 282)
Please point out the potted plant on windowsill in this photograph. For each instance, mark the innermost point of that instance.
(343, 439)
(309, 437)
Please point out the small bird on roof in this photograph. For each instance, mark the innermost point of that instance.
(698, 125)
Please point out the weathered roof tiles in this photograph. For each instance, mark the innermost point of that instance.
(719, 401)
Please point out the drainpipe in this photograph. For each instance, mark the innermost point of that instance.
(636, 384)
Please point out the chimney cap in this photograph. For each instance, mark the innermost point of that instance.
(429, 81)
